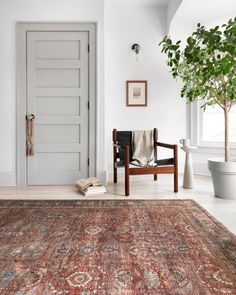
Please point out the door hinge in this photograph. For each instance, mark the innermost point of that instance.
(88, 105)
(88, 48)
(88, 161)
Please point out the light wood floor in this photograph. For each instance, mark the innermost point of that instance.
(142, 187)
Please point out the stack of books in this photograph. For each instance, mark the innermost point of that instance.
(90, 186)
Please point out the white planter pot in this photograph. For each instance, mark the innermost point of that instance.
(224, 177)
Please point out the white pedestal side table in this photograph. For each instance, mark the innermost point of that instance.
(188, 181)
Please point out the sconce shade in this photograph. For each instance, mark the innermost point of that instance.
(136, 48)
(136, 51)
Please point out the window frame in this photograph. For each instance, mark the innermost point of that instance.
(195, 121)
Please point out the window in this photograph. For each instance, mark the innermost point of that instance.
(207, 127)
(213, 125)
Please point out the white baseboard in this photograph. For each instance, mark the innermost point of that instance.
(8, 178)
(201, 169)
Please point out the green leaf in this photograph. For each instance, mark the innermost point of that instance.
(207, 64)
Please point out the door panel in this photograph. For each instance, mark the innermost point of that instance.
(58, 161)
(57, 78)
(57, 133)
(57, 94)
(69, 106)
(57, 49)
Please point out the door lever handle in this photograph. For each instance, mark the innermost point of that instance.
(30, 117)
(30, 125)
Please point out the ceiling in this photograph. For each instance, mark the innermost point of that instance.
(138, 2)
(206, 10)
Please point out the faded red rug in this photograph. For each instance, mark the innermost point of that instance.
(114, 248)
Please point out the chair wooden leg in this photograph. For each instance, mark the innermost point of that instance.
(127, 184)
(115, 175)
(114, 165)
(155, 135)
(114, 135)
(176, 185)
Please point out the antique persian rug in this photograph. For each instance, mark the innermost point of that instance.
(170, 247)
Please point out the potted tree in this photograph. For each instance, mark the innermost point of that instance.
(207, 68)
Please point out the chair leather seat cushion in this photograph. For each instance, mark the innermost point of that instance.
(162, 162)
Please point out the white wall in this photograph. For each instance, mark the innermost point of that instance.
(172, 8)
(145, 25)
(12, 11)
(124, 25)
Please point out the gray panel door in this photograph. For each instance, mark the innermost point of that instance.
(57, 94)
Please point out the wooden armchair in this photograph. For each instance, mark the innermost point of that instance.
(122, 156)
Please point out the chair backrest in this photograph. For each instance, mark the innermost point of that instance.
(124, 138)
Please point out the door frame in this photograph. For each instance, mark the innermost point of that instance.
(21, 89)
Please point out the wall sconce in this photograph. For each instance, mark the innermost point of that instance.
(136, 50)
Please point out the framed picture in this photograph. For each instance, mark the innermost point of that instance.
(136, 93)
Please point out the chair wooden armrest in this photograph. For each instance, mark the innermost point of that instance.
(165, 145)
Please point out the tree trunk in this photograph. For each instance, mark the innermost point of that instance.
(226, 115)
